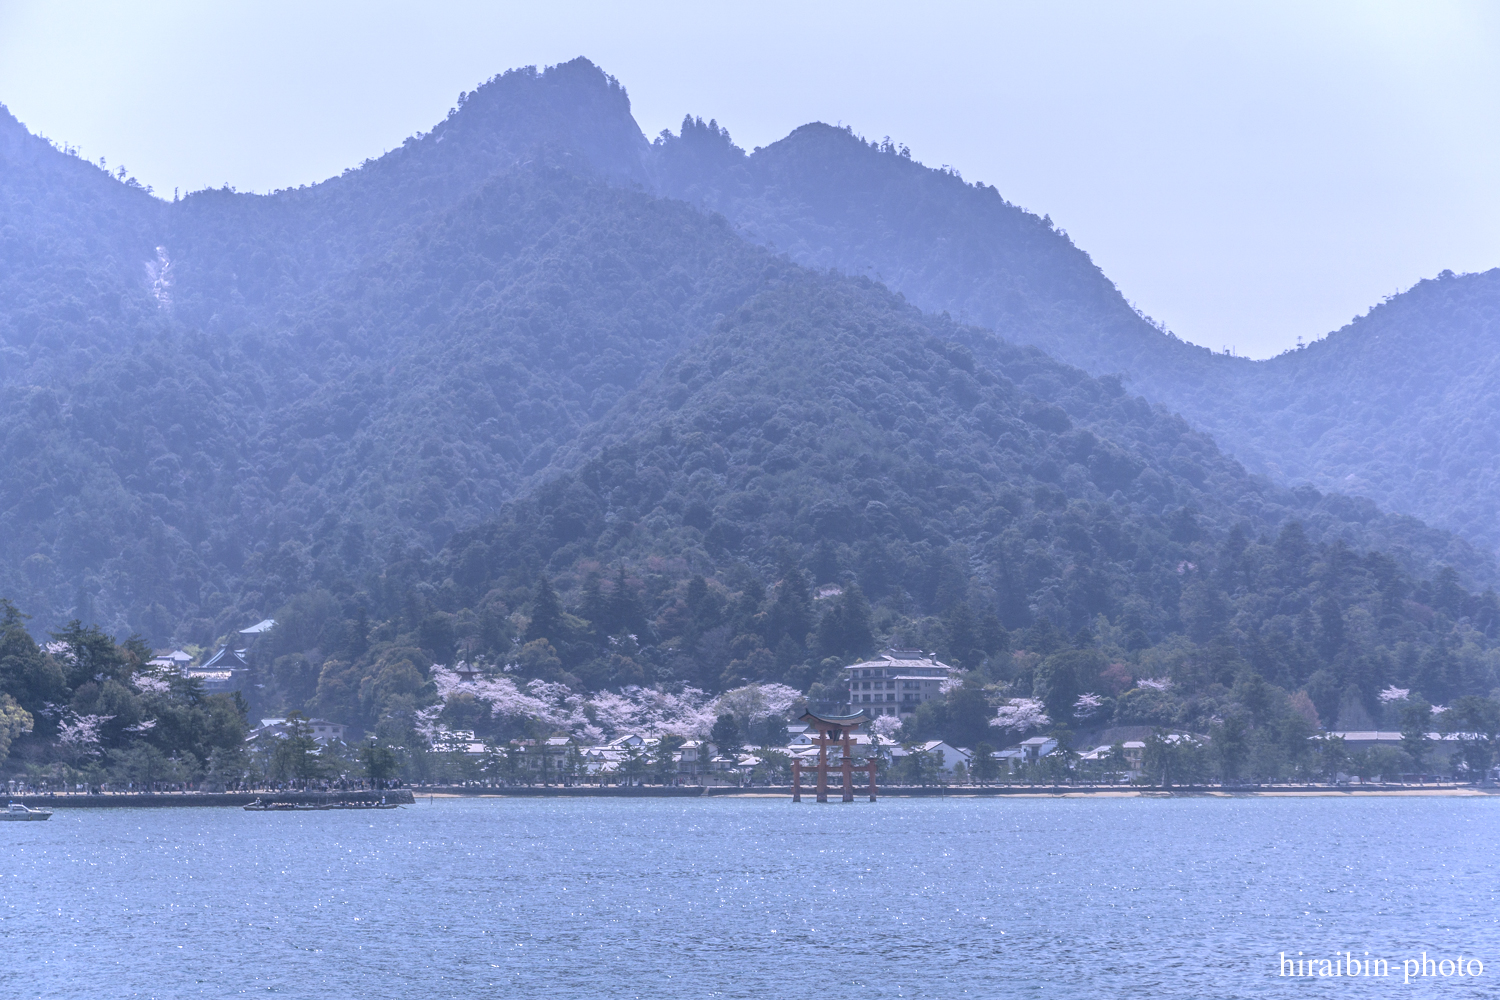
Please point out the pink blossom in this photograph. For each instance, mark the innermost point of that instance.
(1393, 693)
(647, 711)
(757, 701)
(148, 684)
(80, 733)
(1019, 715)
(1087, 705)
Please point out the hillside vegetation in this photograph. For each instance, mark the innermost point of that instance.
(1396, 407)
(490, 397)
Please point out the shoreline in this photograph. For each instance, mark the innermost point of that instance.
(410, 796)
(168, 800)
(835, 793)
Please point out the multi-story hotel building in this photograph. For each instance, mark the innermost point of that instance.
(896, 682)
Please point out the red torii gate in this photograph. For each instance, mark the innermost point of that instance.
(834, 729)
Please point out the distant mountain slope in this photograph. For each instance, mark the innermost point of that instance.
(75, 245)
(212, 405)
(331, 371)
(822, 400)
(1394, 407)
(824, 427)
(827, 198)
(1402, 406)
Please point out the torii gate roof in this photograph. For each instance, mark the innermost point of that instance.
(835, 721)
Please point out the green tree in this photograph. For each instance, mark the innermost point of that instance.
(1384, 762)
(1475, 720)
(1175, 759)
(663, 762)
(1063, 676)
(1416, 723)
(726, 734)
(635, 764)
(140, 765)
(515, 763)
(91, 654)
(1228, 745)
(296, 756)
(546, 613)
(986, 768)
(918, 767)
(572, 764)
(1333, 756)
(379, 762)
(227, 766)
(28, 676)
(14, 720)
(775, 767)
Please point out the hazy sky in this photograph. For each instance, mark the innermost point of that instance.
(1247, 174)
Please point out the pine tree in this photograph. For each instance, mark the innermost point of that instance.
(594, 607)
(792, 614)
(859, 634)
(825, 563)
(625, 610)
(359, 634)
(546, 613)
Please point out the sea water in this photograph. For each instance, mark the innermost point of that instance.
(1003, 897)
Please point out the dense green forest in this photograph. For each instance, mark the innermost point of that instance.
(491, 398)
(1398, 406)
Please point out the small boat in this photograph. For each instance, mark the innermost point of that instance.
(260, 806)
(17, 811)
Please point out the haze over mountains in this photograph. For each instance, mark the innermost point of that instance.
(1398, 406)
(498, 364)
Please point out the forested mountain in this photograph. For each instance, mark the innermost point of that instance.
(491, 396)
(825, 433)
(1394, 406)
(324, 377)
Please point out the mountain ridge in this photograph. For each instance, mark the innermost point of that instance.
(344, 381)
(828, 198)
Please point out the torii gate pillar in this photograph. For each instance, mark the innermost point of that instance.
(833, 728)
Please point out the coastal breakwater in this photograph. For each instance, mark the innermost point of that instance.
(152, 800)
(951, 791)
(408, 796)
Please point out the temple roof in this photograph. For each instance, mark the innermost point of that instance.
(226, 659)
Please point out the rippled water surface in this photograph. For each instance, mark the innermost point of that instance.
(751, 898)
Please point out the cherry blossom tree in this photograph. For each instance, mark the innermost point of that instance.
(78, 736)
(1087, 705)
(1021, 715)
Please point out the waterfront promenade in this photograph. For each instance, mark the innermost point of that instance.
(413, 795)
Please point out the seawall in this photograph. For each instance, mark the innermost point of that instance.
(408, 796)
(153, 800)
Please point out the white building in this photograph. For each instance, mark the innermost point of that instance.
(897, 682)
(945, 755)
(320, 729)
(175, 659)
